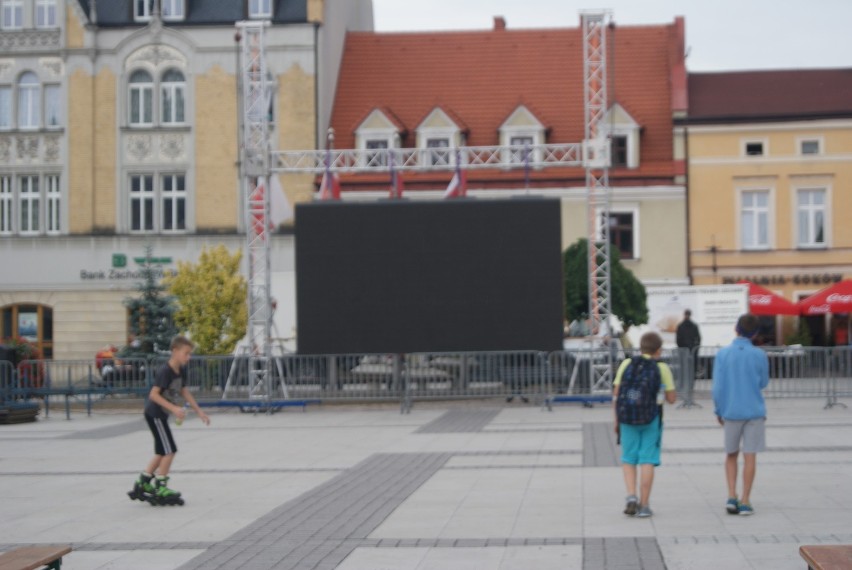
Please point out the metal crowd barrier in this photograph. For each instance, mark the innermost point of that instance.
(529, 376)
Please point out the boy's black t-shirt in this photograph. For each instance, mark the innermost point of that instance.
(170, 384)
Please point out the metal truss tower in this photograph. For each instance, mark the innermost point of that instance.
(255, 95)
(597, 161)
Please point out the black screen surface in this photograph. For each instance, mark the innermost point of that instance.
(455, 275)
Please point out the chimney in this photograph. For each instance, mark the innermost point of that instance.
(499, 23)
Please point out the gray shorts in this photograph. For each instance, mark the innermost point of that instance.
(751, 433)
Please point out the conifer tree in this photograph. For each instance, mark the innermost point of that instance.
(152, 312)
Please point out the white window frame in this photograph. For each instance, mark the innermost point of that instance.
(152, 195)
(363, 137)
(53, 204)
(756, 211)
(143, 10)
(46, 14)
(11, 14)
(145, 92)
(53, 106)
(172, 10)
(7, 117)
(435, 153)
(811, 211)
(633, 210)
(175, 92)
(146, 198)
(260, 8)
(173, 201)
(746, 142)
(800, 143)
(7, 205)
(29, 102)
(29, 205)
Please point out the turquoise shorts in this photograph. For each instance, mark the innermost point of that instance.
(640, 444)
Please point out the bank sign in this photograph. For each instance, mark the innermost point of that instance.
(119, 271)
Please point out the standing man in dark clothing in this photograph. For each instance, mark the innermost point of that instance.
(688, 336)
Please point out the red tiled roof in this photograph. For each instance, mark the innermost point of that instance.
(766, 95)
(483, 76)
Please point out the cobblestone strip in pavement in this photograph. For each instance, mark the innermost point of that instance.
(622, 553)
(599, 448)
(460, 421)
(320, 528)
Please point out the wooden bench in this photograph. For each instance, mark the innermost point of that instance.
(827, 556)
(33, 557)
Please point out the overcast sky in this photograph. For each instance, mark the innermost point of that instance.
(720, 34)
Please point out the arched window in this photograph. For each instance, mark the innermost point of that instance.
(28, 101)
(172, 101)
(141, 98)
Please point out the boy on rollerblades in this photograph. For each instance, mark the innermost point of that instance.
(152, 484)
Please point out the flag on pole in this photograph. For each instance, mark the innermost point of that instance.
(329, 186)
(280, 209)
(396, 184)
(457, 188)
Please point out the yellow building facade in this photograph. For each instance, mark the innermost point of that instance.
(119, 129)
(770, 189)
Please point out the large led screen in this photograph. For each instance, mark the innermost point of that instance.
(402, 276)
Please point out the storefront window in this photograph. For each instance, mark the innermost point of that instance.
(32, 323)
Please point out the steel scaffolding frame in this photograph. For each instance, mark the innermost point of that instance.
(259, 162)
(597, 161)
(255, 91)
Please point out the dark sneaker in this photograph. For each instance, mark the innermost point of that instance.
(745, 510)
(644, 512)
(733, 506)
(632, 506)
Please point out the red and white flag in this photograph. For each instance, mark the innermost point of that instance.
(457, 188)
(397, 186)
(330, 186)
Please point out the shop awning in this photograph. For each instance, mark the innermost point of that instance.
(835, 298)
(762, 301)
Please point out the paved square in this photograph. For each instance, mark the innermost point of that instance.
(449, 486)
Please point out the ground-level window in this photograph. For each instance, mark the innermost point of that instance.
(28, 322)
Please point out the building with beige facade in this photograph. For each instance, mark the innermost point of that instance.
(119, 130)
(770, 185)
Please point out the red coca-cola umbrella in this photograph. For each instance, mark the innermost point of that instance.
(835, 298)
(762, 301)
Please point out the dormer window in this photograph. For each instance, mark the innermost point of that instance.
(376, 134)
(618, 151)
(522, 131)
(260, 8)
(377, 157)
(437, 134)
(623, 133)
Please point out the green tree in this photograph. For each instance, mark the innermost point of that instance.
(211, 298)
(629, 300)
(152, 313)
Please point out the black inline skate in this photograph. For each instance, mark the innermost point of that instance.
(143, 488)
(163, 495)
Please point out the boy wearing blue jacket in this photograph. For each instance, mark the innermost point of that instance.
(740, 373)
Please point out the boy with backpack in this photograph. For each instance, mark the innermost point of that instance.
(639, 418)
